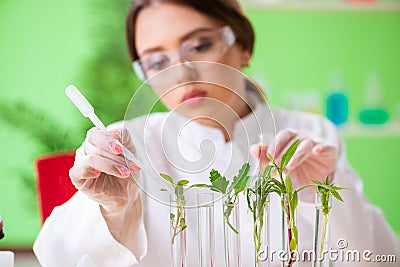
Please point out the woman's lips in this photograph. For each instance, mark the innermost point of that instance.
(194, 98)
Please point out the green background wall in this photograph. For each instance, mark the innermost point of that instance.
(44, 44)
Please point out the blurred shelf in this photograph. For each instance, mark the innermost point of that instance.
(361, 130)
(322, 6)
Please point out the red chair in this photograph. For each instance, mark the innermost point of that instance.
(53, 184)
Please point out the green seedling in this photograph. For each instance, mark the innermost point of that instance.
(231, 190)
(178, 221)
(325, 191)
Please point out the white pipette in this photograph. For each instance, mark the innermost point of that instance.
(87, 110)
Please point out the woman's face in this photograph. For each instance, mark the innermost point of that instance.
(165, 27)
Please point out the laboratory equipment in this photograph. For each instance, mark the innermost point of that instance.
(373, 112)
(87, 110)
(337, 103)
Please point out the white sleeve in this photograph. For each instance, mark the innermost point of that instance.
(76, 234)
(77, 231)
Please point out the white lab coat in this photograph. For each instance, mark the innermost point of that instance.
(76, 234)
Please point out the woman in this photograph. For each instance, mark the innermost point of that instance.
(110, 222)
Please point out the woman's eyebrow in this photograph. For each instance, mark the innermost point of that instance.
(152, 50)
(193, 32)
(181, 39)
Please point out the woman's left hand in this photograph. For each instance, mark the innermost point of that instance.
(313, 159)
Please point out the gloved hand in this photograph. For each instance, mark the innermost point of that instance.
(101, 172)
(313, 159)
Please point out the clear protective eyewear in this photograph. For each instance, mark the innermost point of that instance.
(207, 45)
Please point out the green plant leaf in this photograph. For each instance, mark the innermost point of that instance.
(167, 178)
(338, 188)
(305, 186)
(325, 187)
(315, 182)
(295, 233)
(241, 179)
(249, 202)
(182, 182)
(214, 175)
(336, 195)
(279, 185)
(288, 186)
(289, 153)
(294, 200)
(271, 158)
(218, 182)
(292, 244)
(182, 223)
(198, 186)
(267, 171)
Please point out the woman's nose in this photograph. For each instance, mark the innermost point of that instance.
(186, 72)
(174, 76)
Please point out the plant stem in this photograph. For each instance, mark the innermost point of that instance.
(178, 219)
(230, 206)
(290, 222)
(289, 226)
(323, 235)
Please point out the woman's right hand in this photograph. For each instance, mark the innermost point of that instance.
(101, 172)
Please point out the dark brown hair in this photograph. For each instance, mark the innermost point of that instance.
(227, 11)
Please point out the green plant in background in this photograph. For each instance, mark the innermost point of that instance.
(107, 77)
(49, 135)
(107, 80)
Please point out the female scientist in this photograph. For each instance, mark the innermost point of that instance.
(111, 222)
